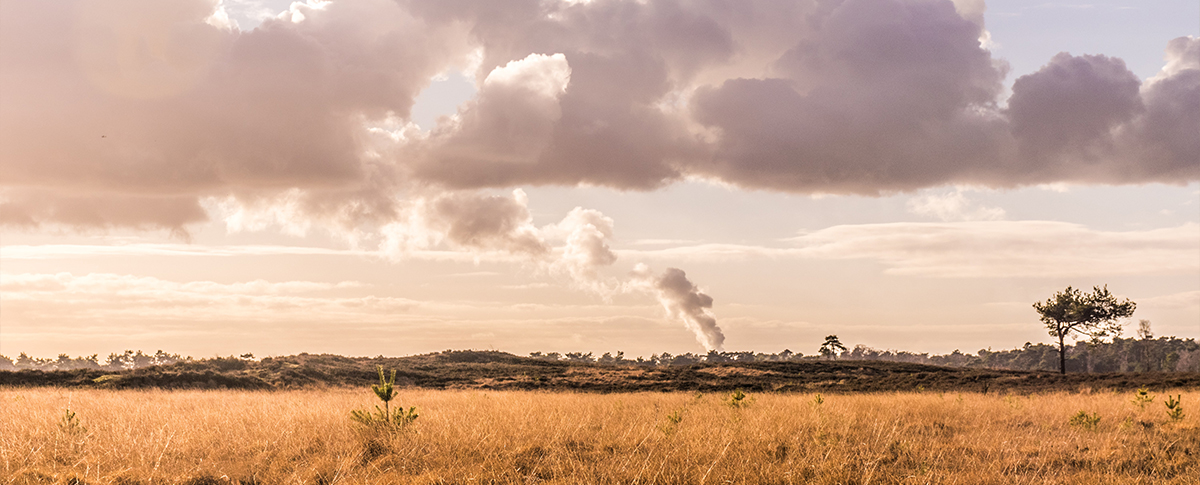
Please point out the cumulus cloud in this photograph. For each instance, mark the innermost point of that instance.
(114, 102)
(586, 250)
(487, 222)
(504, 129)
(129, 98)
(1162, 139)
(881, 96)
(1072, 104)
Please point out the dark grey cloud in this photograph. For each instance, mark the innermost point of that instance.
(112, 99)
(482, 222)
(1072, 105)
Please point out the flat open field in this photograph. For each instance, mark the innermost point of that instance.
(481, 436)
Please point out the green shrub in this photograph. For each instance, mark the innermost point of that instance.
(1175, 407)
(673, 421)
(738, 399)
(1143, 397)
(385, 391)
(70, 424)
(1085, 420)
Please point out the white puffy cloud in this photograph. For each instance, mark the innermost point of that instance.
(586, 234)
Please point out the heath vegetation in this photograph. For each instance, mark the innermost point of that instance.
(502, 371)
(196, 437)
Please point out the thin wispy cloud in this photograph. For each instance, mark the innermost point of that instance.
(971, 249)
(978, 249)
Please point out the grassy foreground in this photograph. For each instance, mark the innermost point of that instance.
(306, 436)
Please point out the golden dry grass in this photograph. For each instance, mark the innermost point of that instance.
(294, 437)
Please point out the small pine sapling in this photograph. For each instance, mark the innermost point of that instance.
(385, 391)
(673, 421)
(1175, 407)
(1143, 397)
(1085, 420)
(738, 399)
(70, 424)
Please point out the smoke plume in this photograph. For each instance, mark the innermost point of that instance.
(683, 300)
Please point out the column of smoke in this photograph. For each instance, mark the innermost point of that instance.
(501, 224)
(586, 250)
(683, 300)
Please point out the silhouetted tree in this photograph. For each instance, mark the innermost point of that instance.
(1094, 314)
(832, 347)
(1144, 332)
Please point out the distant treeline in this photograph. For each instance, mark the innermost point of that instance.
(114, 362)
(1165, 354)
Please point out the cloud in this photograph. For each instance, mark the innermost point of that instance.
(126, 99)
(487, 223)
(1185, 299)
(586, 250)
(504, 130)
(952, 206)
(1072, 104)
(997, 249)
(70, 251)
(38, 282)
(104, 295)
(975, 249)
(881, 96)
(967, 249)
(125, 113)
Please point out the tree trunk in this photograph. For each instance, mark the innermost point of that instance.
(1124, 357)
(1062, 355)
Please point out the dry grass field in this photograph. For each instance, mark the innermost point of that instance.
(306, 436)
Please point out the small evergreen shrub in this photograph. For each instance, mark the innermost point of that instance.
(70, 425)
(673, 421)
(384, 416)
(738, 399)
(1143, 397)
(1084, 420)
(1175, 407)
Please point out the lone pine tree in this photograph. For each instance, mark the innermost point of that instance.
(1094, 315)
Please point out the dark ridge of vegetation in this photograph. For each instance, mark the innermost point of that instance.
(1164, 354)
(499, 370)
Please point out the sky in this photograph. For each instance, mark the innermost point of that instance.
(391, 177)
